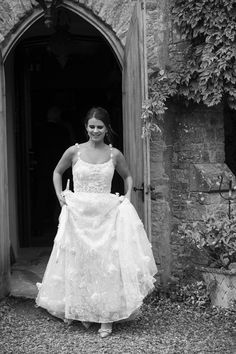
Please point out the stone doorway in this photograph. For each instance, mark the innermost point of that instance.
(57, 76)
(15, 110)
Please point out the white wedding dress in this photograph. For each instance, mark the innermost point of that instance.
(101, 266)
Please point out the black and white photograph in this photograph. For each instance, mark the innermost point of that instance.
(117, 177)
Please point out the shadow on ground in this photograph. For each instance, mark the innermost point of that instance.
(27, 271)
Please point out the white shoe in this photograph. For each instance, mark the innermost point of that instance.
(105, 331)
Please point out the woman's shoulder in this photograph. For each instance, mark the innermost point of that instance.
(117, 156)
(71, 150)
(76, 147)
(116, 152)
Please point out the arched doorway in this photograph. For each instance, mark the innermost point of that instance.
(23, 105)
(58, 76)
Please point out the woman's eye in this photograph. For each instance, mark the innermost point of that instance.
(98, 126)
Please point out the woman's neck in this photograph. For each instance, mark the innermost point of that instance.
(96, 144)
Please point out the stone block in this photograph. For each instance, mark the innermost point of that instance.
(160, 192)
(210, 199)
(205, 177)
(221, 285)
(161, 224)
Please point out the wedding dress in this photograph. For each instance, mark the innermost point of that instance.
(101, 266)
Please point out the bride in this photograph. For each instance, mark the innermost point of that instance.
(101, 266)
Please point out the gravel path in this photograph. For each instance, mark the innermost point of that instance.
(164, 327)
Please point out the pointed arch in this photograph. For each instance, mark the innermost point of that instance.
(83, 12)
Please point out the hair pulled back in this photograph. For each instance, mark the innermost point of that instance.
(101, 114)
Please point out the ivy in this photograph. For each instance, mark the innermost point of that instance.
(207, 73)
(209, 29)
(162, 85)
(159, 91)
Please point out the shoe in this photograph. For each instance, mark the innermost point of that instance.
(104, 332)
(86, 324)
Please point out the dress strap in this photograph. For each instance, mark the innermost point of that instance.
(78, 152)
(111, 151)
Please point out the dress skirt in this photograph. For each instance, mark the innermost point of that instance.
(101, 266)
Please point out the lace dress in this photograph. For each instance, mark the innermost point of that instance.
(101, 266)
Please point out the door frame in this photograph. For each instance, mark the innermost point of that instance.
(6, 187)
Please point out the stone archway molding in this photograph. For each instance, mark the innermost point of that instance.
(107, 33)
(7, 45)
(87, 14)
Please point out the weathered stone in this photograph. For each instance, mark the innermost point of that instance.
(157, 16)
(205, 177)
(221, 285)
(161, 218)
(197, 159)
(115, 13)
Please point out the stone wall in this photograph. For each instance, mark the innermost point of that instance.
(186, 159)
(197, 159)
(161, 210)
(158, 32)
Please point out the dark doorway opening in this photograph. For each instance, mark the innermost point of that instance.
(59, 76)
(230, 141)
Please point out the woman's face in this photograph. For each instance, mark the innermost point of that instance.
(96, 129)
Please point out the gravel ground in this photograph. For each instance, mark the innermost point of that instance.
(164, 327)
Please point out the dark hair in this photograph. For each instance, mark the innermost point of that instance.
(101, 114)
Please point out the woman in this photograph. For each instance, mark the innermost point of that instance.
(101, 266)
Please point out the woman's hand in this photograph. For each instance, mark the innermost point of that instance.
(61, 199)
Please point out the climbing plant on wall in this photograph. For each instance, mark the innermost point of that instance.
(207, 73)
(209, 28)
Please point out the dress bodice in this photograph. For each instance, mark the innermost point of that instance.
(93, 178)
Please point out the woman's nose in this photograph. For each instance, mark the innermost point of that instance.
(95, 129)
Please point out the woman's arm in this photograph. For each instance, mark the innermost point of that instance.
(123, 170)
(64, 163)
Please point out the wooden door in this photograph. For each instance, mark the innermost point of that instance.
(136, 148)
